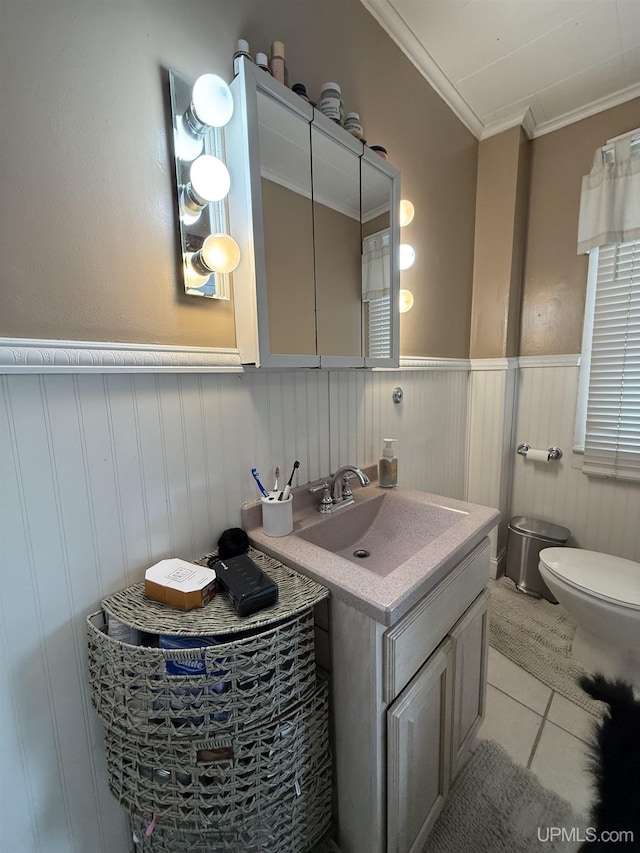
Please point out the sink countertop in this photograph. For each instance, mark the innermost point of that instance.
(385, 599)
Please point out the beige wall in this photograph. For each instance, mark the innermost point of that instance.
(503, 174)
(90, 251)
(554, 274)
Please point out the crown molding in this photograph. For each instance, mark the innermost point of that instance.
(403, 36)
(591, 109)
(396, 28)
(519, 119)
(34, 355)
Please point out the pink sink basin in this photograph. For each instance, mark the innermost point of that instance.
(380, 534)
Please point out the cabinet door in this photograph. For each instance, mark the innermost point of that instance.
(470, 640)
(271, 216)
(337, 252)
(380, 201)
(418, 753)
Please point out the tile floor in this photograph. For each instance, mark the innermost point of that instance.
(539, 729)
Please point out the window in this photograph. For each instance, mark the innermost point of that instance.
(376, 293)
(608, 422)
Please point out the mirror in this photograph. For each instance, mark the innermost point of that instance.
(336, 214)
(287, 213)
(302, 191)
(379, 294)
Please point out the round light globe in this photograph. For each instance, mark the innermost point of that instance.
(212, 101)
(406, 301)
(210, 178)
(407, 212)
(407, 256)
(220, 253)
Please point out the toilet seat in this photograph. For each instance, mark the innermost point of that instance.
(609, 578)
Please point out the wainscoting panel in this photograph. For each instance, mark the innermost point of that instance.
(601, 514)
(103, 475)
(429, 423)
(490, 443)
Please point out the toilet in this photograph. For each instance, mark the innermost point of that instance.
(602, 593)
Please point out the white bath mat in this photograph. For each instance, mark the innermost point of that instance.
(537, 635)
(496, 806)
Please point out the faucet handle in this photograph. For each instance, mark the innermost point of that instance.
(326, 502)
(347, 492)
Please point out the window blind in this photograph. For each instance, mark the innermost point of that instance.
(376, 290)
(612, 440)
(379, 327)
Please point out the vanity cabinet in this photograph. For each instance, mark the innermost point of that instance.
(408, 701)
(419, 726)
(304, 193)
(470, 647)
(430, 729)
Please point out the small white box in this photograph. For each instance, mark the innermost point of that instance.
(180, 584)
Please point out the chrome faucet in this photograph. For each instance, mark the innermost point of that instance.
(336, 492)
(339, 485)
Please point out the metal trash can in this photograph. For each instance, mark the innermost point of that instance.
(526, 538)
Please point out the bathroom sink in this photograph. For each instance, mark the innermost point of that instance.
(411, 539)
(382, 533)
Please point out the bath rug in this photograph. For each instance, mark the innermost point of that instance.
(496, 806)
(537, 636)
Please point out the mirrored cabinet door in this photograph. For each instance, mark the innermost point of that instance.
(270, 204)
(337, 244)
(380, 201)
(287, 213)
(308, 205)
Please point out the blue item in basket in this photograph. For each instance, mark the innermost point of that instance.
(192, 666)
(191, 697)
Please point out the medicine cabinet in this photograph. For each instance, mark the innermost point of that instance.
(305, 197)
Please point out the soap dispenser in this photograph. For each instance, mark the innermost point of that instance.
(388, 465)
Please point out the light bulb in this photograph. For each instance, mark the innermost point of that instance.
(211, 101)
(407, 211)
(407, 256)
(406, 301)
(220, 253)
(210, 178)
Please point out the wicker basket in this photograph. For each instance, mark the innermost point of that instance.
(247, 682)
(225, 782)
(297, 594)
(292, 826)
(233, 756)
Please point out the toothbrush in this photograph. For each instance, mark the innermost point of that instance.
(275, 485)
(284, 494)
(256, 477)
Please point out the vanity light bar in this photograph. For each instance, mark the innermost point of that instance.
(200, 112)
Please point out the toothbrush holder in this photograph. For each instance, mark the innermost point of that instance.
(277, 516)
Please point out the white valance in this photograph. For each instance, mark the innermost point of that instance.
(610, 200)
